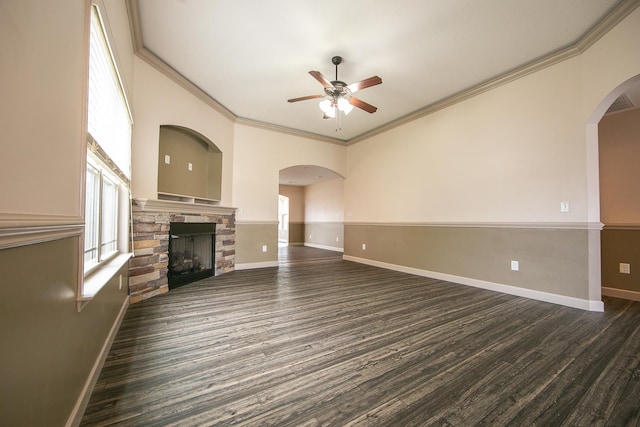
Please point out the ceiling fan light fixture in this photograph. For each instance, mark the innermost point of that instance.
(328, 108)
(344, 105)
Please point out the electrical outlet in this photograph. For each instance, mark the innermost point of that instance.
(364, 246)
(190, 166)
(264, 248)
(625, 268)
(167, 159)
(564, 207)
(515, 266)
(337, 239)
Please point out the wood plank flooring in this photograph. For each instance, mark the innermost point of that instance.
(324, 342)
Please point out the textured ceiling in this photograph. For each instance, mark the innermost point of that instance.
(253, 55)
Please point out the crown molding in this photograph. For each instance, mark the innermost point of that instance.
(582, 44)
(288, 131)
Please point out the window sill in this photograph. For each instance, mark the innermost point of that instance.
(100, 277)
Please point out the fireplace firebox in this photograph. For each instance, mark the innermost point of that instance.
(191, 252)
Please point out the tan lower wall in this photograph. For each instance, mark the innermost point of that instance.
(296, 233)
(250, 238)
(620, 246)
(48, 347)
(550, 260)
(324, 234)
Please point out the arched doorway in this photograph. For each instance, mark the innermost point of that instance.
(612, 251)
(315, 199)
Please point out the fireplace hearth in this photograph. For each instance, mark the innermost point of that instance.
(191, 252)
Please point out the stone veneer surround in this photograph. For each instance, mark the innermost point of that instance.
(150, 227)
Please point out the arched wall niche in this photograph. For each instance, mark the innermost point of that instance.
(189, 166)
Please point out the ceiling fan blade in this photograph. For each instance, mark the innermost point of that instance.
(362, 105)
(322, 79)
(371, 81)
(304, 98)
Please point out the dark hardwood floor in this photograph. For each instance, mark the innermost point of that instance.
(324, 342)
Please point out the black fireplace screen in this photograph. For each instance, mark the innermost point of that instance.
(191, 252)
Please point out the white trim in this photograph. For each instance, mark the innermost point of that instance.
(632, 227)
(21, 236)
(462, 224)
(83, 399)
(9, 220)
(253, 265)
(328, 248)
(170, 206)
(320, 222)
(103, 273)
(257, 222)
(589, 305)
(621, 293)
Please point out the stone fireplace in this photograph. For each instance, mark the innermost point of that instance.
(151, 222)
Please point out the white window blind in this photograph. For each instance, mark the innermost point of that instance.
(108, 155)
(109, 121)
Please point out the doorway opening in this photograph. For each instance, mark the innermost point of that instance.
(283, 220)
(613, 147)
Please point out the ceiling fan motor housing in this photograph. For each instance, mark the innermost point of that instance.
(338, 90)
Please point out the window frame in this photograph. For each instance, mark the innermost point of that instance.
(103, 173)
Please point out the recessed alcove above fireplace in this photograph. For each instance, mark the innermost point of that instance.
(189, 166)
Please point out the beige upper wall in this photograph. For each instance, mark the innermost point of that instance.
(259, 156)
(42, 63)
(619, 168)
(512, 154)
(45, 63)
(158, 101)
(296, 201)
(324, 201)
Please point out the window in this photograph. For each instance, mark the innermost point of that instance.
(108, 157)
(101, 214)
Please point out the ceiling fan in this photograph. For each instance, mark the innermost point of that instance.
(338, 94)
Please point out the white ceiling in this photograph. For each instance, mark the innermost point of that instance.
(253, 55)
(250, 56)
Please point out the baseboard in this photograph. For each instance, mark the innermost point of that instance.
(81, 404)
(621, 293)
(252, 265)
(573, 302)
(328, 248)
